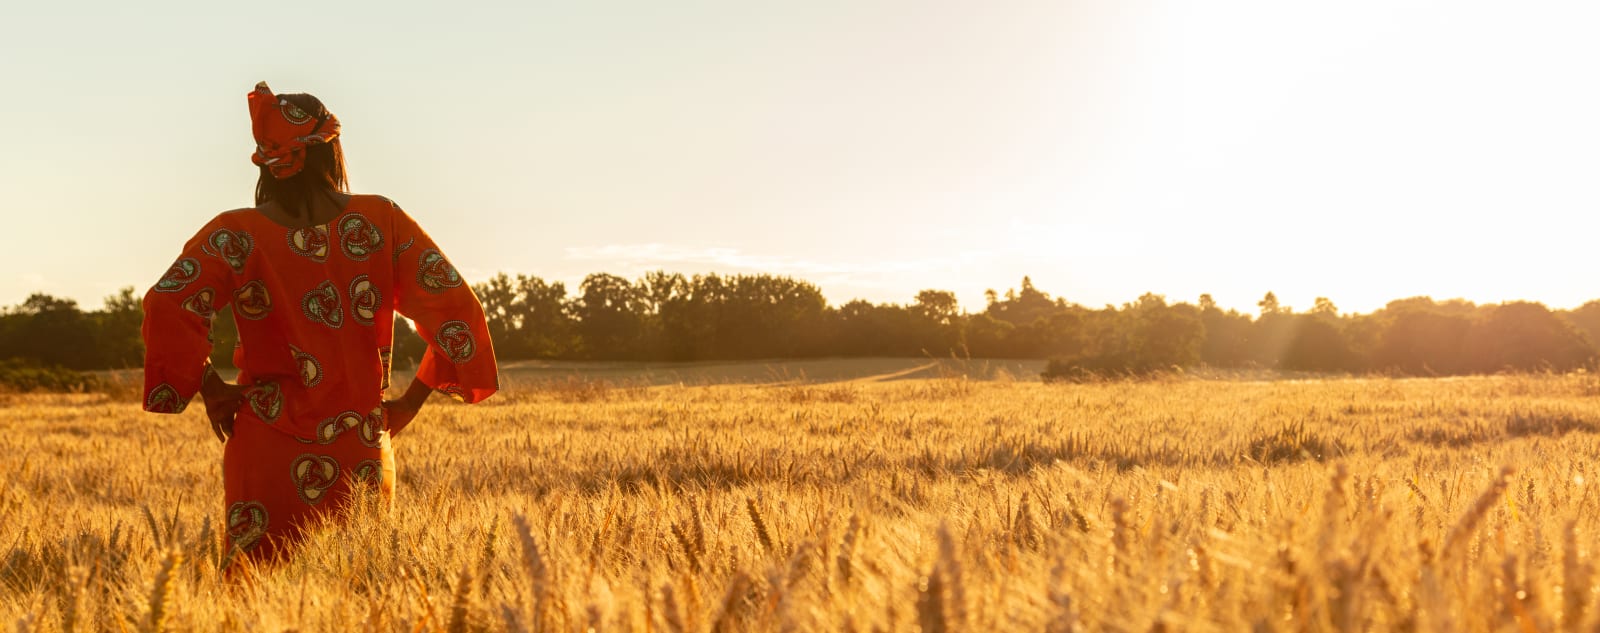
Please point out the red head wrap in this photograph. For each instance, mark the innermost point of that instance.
(283, 131)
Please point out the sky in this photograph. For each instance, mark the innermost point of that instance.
(1364, 150)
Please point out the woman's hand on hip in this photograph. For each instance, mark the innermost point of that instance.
(398, 413)
(222, 402)
(401, 411)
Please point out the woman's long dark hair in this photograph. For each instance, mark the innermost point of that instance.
(322, 175)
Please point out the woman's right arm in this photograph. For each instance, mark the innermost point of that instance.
(177, 319)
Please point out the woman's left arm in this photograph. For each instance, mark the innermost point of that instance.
(459, 359)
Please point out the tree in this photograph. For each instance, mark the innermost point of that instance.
(545, 327)
(1269, 304)
(989, 337)
(118, 326)
(938, 305)
(1164, 335)
(1424, 342)
(1023, 307)
(609, 311)
(1318, 344)
(1525, 336)
(1144, 336)
(1587, 319)
(53, 331)
(527, 317)
(498, 298)
(1270, 336)
(667, 316)
(1227, 335)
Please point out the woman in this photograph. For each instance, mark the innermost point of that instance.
(315, 275)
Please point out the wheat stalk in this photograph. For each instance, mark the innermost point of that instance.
(1480, 509)
(688, 549)
(75, 582)
(799, 564)
(461, 605)
(1576, 578)
(1119, 534)
(150, 520)
(699, 530)
(486, 558)
(1022, 529)
(670, 612)
(161, 593)
(1064, 619)
(1332, 503)
(509, 617)
(761, 526)
(950, 565)
(847, 548)
(732, 598)
(930, 603)
(533, 563)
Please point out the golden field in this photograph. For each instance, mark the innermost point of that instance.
(936, 504)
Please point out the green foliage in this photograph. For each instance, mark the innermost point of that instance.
(669, 316)
(1587, 320)
(1145, 337)
(1318, 344)
(18, 374)
(664, 316)
(54, 332)
(527, 317)
(1522, 336)
(117, 330)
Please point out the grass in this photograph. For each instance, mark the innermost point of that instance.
(922, 504)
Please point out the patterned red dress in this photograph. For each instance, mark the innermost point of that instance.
(315, 310)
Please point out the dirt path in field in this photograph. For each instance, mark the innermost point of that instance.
(896, 375)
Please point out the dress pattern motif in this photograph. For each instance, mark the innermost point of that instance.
(365, 301)
(265, 400)
(181, 274)
(434, 272)
(252, 301)
(310, 368)
(201, 303)
(321, 305)
(232, 247)
(247, 523)
(310, 242)
(358, 237)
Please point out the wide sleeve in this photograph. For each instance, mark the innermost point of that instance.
(177, 321)
(429, 291)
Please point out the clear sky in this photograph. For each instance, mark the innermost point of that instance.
(1360, 150)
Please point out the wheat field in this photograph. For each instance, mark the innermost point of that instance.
(932, 505)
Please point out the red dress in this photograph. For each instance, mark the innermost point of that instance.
(315, 311)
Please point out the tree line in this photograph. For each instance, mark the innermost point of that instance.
(672, 317)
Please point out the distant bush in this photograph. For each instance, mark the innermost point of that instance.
(1098, 368)
(1294, 442)
(18, 374)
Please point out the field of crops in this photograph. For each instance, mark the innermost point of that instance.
(939, 504)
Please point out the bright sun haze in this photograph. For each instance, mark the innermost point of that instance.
(1363, 151)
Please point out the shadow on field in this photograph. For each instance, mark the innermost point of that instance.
(1520, 424)
(697, 468)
